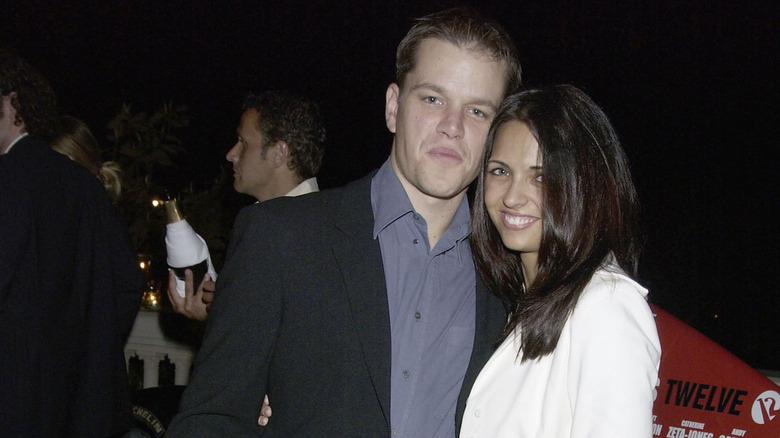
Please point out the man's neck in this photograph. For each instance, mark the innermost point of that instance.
(282, 184)
(438, 213)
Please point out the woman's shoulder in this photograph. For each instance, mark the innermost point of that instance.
(611, 294)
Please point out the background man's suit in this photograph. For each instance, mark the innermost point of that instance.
(308, 270)
(69, 292)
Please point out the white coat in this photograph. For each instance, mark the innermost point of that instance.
(598, 382)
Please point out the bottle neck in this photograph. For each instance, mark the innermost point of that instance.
(172, 211)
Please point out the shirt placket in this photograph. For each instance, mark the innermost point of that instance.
(411, 369)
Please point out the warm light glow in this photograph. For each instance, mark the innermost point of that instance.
(151, 299)
(156, 202)
(142, 264)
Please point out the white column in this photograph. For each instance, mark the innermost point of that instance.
(148, 341)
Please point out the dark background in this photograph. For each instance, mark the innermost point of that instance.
(691, 87)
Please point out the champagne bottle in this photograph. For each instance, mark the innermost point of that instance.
(186, 249)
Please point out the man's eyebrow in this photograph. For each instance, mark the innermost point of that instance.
(438, 89)
(428, 86)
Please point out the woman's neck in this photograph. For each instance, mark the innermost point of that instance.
(530, 265)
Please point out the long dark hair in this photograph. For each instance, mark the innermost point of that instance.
(590, 213)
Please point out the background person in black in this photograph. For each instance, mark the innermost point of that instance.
(69, 282)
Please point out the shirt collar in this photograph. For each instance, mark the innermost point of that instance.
(461, 223)
(388, 198)
(307, 186)
(389, 202)
(8, 149)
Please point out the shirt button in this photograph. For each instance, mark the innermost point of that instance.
(406, 374)
(416, 217)
(416, 241)
(477, 413)
(417, 315)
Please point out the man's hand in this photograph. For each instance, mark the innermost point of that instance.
(265, 412)
(194, 305)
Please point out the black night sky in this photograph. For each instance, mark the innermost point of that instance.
(691, 87)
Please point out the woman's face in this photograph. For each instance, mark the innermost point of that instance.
(513, 190)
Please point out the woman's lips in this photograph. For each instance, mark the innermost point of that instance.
(518, 221)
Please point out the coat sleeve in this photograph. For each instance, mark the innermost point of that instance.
(613, 367)
(126, 275)
(230, 376)
(14, 226)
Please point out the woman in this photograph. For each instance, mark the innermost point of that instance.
(555, 236)
(73, 138)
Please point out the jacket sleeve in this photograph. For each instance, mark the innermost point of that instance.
(126, 275)
(229, 379)
(14, 226)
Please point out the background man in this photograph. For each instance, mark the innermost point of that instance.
(358, 309)
(70, 286)
(281, 142)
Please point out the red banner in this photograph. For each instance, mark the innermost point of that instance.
(706, 392)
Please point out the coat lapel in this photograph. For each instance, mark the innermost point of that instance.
(360, 260)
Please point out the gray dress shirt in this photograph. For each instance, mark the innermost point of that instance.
(431, 295)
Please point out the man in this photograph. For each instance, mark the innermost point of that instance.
(358, 309)
(70, 286)
(281, 142)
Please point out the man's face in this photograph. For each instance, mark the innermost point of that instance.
(441, 118)
(8, 131)
(252, 169)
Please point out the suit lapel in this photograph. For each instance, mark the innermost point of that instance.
(360, 260)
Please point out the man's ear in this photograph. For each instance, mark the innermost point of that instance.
(280, 153)
(13, 104)
(391, 105)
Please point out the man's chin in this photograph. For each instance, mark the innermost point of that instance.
(444, 190)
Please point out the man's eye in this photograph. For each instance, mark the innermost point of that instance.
(478, 112)
(431, 99)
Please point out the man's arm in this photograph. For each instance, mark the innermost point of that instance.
(229, 380)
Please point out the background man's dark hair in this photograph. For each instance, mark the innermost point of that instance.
(34, 101)
(294, 120)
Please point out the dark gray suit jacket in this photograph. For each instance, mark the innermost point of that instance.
(301, 314)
